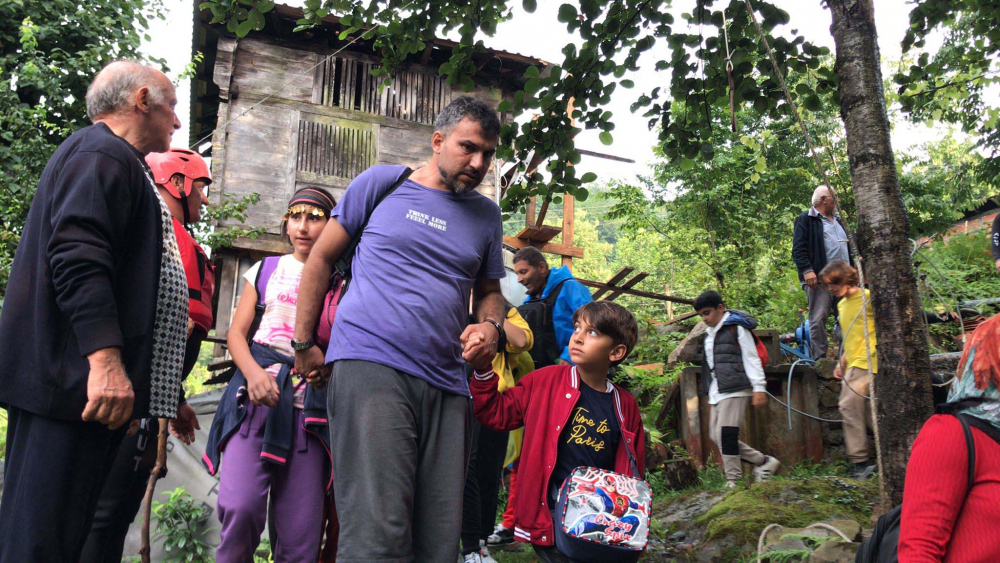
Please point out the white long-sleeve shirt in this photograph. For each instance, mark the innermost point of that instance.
(751, 363)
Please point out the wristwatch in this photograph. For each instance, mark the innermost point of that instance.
(496, 325)
(299, 345)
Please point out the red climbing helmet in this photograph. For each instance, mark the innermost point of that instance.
(178, 161)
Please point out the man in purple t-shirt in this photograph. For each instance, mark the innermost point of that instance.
(398, 401)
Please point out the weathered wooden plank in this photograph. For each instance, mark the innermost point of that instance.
(627, 285)
(622, 274)
(549, 247)
(264, 67)
(569, 216)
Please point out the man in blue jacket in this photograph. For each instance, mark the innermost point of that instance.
(553, 297)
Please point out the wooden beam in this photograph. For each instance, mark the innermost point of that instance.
(426, 56)
(622, 274)
(683, 317)
(550, 247)
(605, 156)
(635, 292)
(543, 234)
(627, 285)
(569, 211)
(541, 214)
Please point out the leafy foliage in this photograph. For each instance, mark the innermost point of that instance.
(953, 83)
(178, 520)
(615, 38)
(49, 52)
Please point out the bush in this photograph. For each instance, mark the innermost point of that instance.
(178, 524)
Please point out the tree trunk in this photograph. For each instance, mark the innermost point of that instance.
(901, 391)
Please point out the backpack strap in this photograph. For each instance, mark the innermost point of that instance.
(621, 423)
(970, 446)
(264, 273)
(343, 266)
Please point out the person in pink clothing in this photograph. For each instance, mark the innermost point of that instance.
(271, 426)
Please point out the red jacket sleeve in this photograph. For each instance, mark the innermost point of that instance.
(640, 443)
(501, 411)
(936, 486)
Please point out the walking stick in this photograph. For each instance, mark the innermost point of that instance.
(159, 470)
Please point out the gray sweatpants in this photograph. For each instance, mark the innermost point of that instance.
(724, 429)
(400, 449)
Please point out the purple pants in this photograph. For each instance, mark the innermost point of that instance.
(297, 491)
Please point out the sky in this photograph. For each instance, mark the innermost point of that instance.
(540, 36)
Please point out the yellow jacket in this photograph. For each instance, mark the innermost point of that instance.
(509, 365)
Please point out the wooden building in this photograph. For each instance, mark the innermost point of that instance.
(285, 110)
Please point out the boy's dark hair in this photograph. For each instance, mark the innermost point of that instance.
(531, 255)
(708, 298)
(469, 107)
(838, 272)
(613, 320)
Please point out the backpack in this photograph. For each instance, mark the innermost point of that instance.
(765, 358)
(538, 314)
(883, 545)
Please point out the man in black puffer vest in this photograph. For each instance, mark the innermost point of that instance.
(732, 375)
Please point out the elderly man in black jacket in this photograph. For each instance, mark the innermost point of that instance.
(93, 323)
(820, 238)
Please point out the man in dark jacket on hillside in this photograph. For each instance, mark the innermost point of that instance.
(92, 330)
(820, 238)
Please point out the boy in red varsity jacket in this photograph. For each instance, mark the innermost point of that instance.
(572, 416)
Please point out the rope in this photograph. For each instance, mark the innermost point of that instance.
(729, 71)
(831, 528)
(308, 72)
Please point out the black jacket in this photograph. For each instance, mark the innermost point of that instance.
(85, 277)
(808, 249)
(727, 356)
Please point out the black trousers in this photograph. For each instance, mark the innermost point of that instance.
(482, 484)
(52, 479)
(122, 495)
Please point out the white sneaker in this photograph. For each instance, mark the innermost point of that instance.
(766, 470)
(500, 536)
(473, 557)
(731, 484)
(484, 554)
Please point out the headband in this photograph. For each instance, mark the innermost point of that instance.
(310, 200)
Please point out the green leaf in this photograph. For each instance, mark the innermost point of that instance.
(627, 83)
(529, 6)
(567, 13)
(687, 164)
(812, 103)
(588, 178)
(505, 106)
(531, 72)
(755, 177)
(606, 138)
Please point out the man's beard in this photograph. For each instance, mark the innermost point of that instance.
(452, 182)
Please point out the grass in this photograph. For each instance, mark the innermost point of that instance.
(790, 503)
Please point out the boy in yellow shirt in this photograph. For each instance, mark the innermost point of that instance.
(854, 370)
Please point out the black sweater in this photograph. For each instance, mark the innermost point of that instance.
(808, 249)
(85, 277)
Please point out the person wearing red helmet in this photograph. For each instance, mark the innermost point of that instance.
(180, 176)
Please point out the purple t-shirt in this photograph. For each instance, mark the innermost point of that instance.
(413, 272)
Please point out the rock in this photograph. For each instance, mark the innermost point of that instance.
(945, 363)
(677, 537)
(834, 552)
(689, 350)
(787, 544)
(850, 528)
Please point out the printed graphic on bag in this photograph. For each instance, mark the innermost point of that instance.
(607, 508)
